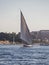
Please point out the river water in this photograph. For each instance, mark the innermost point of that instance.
(19, 55)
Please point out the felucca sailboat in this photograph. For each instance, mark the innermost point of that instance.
(25, 35)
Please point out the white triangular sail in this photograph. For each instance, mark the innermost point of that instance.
(25, 34)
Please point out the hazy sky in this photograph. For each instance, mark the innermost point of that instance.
(36, 13)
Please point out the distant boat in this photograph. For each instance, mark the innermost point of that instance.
(25, 35)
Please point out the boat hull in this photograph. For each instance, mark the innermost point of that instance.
(27, 45)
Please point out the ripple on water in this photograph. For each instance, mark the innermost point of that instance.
(16, 55)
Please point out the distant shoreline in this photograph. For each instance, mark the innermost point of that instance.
(9, 43)
(19, 43)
